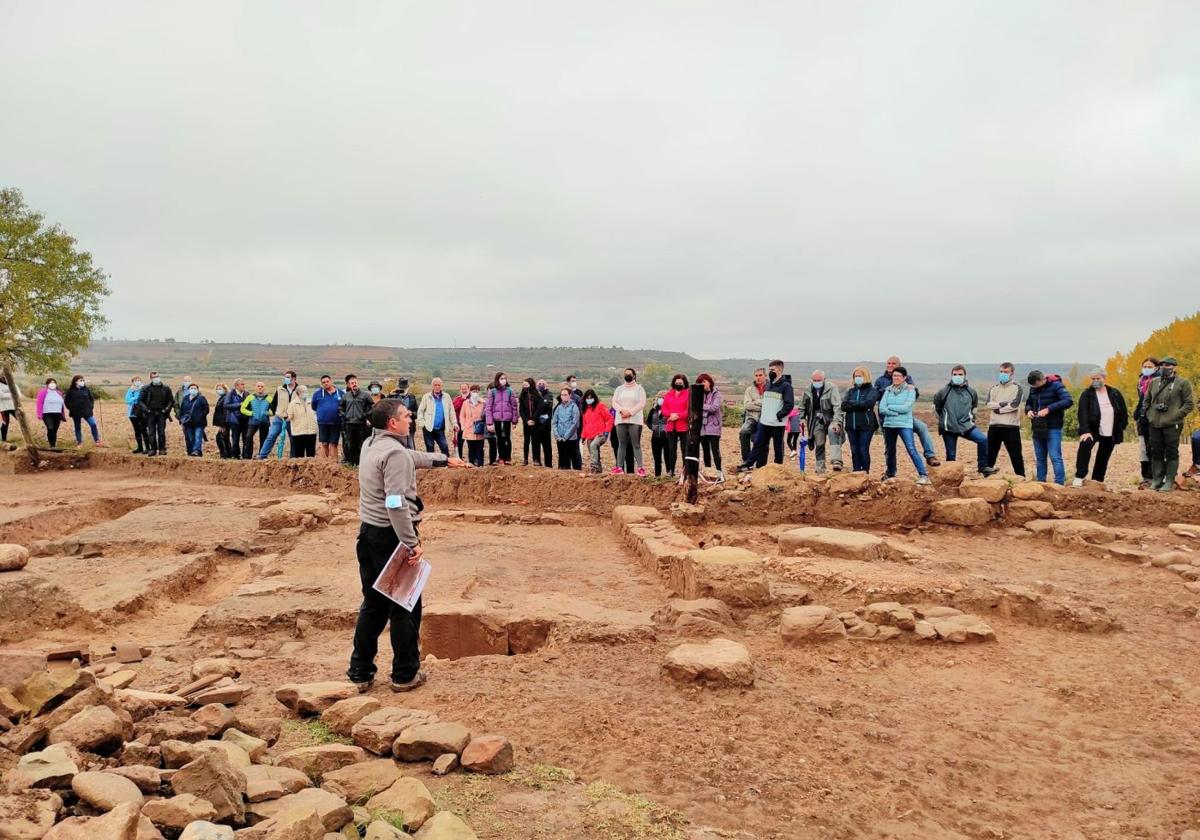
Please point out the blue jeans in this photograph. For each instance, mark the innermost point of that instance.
(193, 436)
(889, 448)
(277, 424)
(91, 421)
(1051, 446)
(975, 436)
(1196, 448)
(860, 449)
(438, 437)
(926, 439)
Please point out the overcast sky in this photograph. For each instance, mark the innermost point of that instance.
(966, 180)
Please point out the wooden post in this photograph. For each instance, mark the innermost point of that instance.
(21, 419)
(691, 461)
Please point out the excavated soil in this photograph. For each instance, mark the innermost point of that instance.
(1077, 721)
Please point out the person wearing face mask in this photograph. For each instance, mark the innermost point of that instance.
(536, 408)
(711, 423)
(158, 402)
(820, 407)
(858, 413)
(1169, 401)
(565, 425)
(375, 389)
(577, 395)
(629, 401)
(896, 409)
(281, 401)
(256, 408)
(464, 390)
(675, 411)
(472, 422)
(354, 410)
(752, 410)
(193, 419)
(135, 412)
(596, 425)
(437, 419)
(220, 420)
(778, 401)
(237, 423)
(406, 398)
(81, 406)
(1004, 401)
(501, 410)
(657, 421)
(1150, 372)
(326, 405)
(1102, 420)
(1048, 400)
(955, 406)
(302, 425)
(51, 410)
(920, 430)
(179, 395)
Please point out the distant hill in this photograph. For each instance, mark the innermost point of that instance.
(115, 361)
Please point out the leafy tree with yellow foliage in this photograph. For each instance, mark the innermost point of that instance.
(1180, 338)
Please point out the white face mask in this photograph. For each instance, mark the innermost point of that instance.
(156, 381)
(81, 384)
(137, 386)
(474, 396)
(53, 386)
(194, 391)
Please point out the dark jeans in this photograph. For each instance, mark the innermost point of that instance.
(139, 434)
(156, 431)
(78, 422)
(764, 439)
(1196, 448)
(503, 439)
(5, 416)
(248, 447)
(569, 457)
(222, 438)
(1010, 438)
(1104, 447)
(676, 451)
(541, 445)
(374, 547)
(52, 422)
(746, 437)
(355, 433)
(950, 439)
(1164, 455)
(860, 449)
(458, 443)
(304, 446)
(658, 448)
(237, 436)
(475, 452)
(435, 438)
(711, 446)
(889, 450)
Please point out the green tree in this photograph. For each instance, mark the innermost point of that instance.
(50, 294)
(656, 377)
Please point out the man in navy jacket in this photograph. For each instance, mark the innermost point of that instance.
(1048, 400)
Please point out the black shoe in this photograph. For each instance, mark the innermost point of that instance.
(151, 453)
(986, 471)
(745, 468)
(138, 451)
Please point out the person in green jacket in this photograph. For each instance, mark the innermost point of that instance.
(1169, 400)
(256, 407)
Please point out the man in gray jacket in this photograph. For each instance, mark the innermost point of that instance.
(752, 410)
(390, 510)
(821, 407)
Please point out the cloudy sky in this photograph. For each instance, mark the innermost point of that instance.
(813, 180)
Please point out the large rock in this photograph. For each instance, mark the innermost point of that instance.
(426, 741)
(733, 575)
(13, 557)
(966, 513)
(1028, 491)
(378, 731)
(179, 753)
(356, 781)
(296, 823)
(1021, 512)
(267, 728)
(147, 779)
(331, 808)
(204, 830)
(121, 823)
(342, 715)
(380, 830)
(264, 782)
(833, 542)
(632, 514)
(154, 699)
(963, 628)
(105, 791)
(717, 662)
(316, 761)
(706, 608)
(16, 665)
(445, 826)
(178, 811)
(215, 718)
(454, 629)
(223, 666)
(294, 511)
(949, 474)
(28, 815)
(993, 490)
(314, 698)
(800, 625)
(53, 767)
(256, 748)
(490, 754)
(213, 778)
(890, 614)
(1185, 529)
(1066, 531)
(406, 796)
(47, 688)
(167, 727)
(841, 484)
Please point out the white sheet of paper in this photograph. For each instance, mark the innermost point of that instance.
(401, 582)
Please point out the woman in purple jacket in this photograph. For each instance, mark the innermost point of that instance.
(710, 424)
(500, 411)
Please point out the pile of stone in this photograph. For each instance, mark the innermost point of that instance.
(880, 622)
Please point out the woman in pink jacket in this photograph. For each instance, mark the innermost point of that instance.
(675, 412)
(51, 410)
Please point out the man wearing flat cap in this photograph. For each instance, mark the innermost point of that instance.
(1169, 400)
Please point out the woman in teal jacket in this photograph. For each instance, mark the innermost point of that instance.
(896, 409)
(137, 415)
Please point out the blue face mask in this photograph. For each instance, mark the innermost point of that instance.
(1148, 371)
(1003, 377)
(1097, 384)
(590, 401)
(958, 379)
(193, 391)
(287, 380)
(818, 384)
(858, 380)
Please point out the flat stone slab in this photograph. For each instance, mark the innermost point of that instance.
(967, 513)
(1063, 531)
(733, 575)
(719, 662)
(802, 625)
(834, 542)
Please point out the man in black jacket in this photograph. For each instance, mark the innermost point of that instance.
(402, 394)
(1102, 421)
(355, 410)
(158, 402)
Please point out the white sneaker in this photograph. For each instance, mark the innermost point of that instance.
(1077, 482)
(923, 480)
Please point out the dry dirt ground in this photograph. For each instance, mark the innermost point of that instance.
(1077, 721)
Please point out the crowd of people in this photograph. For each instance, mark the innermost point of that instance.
(333, 421)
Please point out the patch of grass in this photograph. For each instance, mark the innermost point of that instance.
(313, 731)
(615, 815)
(467, 793)
(393, 818)
(540, 776)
